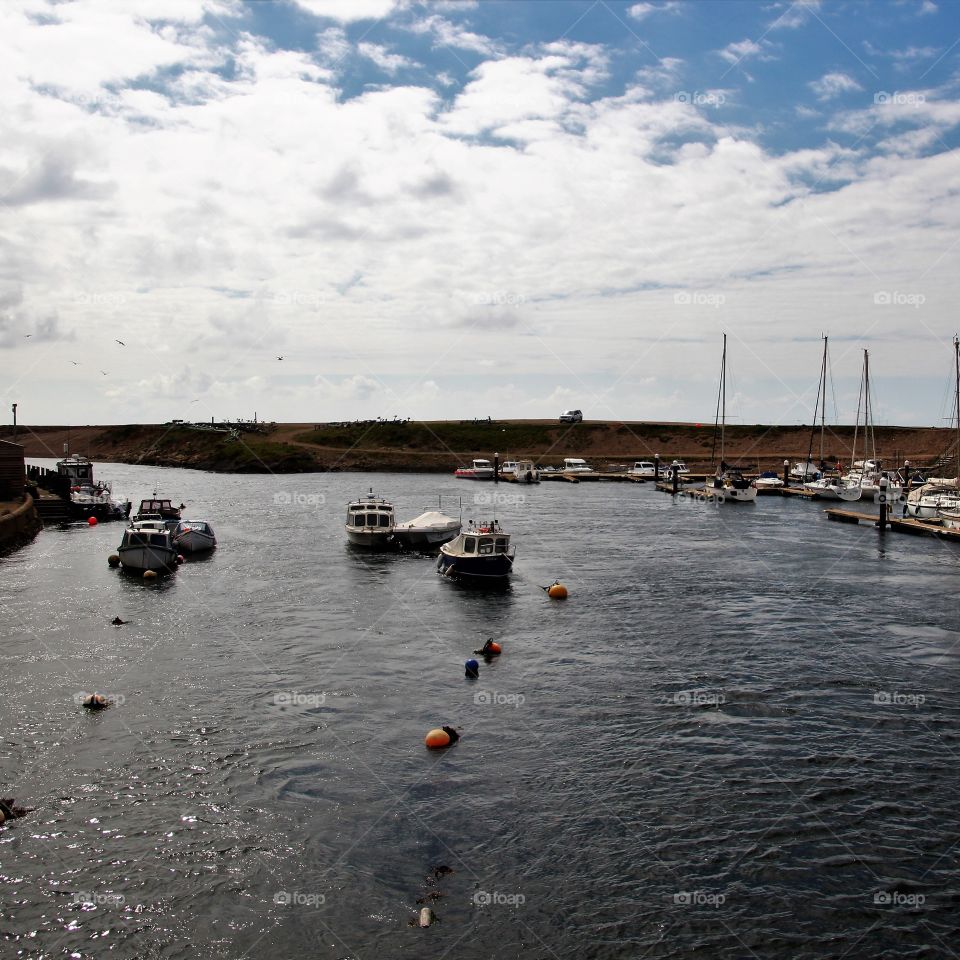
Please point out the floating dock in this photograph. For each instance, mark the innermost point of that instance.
(900, 525)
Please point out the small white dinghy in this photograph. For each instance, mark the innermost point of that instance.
(430, 529)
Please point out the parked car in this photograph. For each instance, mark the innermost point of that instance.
(571, 416)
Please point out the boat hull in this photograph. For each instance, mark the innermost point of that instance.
(372, 540)
(194, 541)
(480, 569)
(142, 558)
(467, 474)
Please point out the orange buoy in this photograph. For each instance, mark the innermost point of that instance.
(92, 522)
(494, 647)
(437, 738)
(557, 591)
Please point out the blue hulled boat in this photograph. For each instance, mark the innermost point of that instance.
(481, 553)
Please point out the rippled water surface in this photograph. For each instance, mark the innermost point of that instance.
(737, 738)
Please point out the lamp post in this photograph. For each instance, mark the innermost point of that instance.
(14, 423)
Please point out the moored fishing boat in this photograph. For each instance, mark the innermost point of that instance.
(520, 471)
(155, 507)
(89, 499)
(482, 553)
(480, 470)
(147, 545)
(370, 522)
(193, 536)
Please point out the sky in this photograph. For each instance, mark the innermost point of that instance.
(448, 210)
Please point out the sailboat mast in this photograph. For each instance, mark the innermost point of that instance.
(723, 388)
(956, 351)
(823, 399)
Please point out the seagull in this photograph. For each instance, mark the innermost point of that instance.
(279, 358)
(27, 335)
(104, 372)
(74, 362)
(122, 344)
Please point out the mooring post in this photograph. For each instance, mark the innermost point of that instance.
(786, 473)
(496, 468)
(656, 468)
(883, 504)
(675, 470)
(907, 479)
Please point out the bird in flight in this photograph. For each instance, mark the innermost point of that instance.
(74, 362)
(122, 344)
(279, 358)
(104, 372)
(27, 335)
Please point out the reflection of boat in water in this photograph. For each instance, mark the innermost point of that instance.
(147, 545)
(194, 536)
(430, 529)
(370, 523)
(481, 553)
(88, 499)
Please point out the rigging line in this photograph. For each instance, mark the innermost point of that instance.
(856, 427)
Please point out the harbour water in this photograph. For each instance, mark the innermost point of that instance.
(737, 738)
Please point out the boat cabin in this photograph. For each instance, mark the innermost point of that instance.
(370, 513)
(485, 539)
(79, 471)
(155, 507)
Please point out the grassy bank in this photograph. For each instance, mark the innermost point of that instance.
(441, 446)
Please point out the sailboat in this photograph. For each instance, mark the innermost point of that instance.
(833, 487)
(940, 497)
(728, 484)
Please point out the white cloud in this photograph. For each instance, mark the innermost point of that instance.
(386, 61)
(642, 10)
(795, 14)
(735, 53)
(348, 11)
(445, 33)
(832, 85)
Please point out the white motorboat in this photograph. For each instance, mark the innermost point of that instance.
(769, 480)
(834, 488)
(807, 470)
(428, 530)
(933, 498)
(479, 470)
(643, 468)
(576, 465)
(193, 536)
(520, 471)
(370, 522)
(481, 554)
(950, 519)
(147, 545)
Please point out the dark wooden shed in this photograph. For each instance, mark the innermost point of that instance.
(12, 470)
